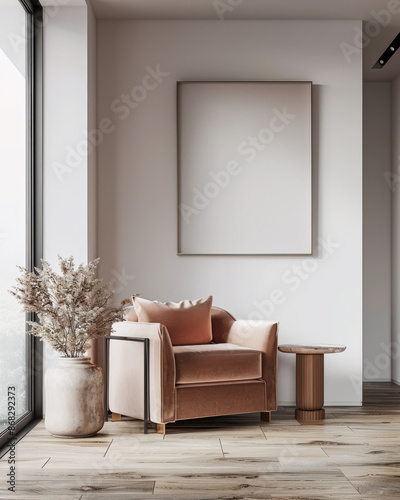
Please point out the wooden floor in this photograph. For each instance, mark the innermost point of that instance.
(355, 453)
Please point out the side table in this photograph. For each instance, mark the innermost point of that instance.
(310, 378)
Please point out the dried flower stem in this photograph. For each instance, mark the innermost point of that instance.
(72, 307)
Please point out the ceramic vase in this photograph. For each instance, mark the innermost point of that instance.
(74, 398)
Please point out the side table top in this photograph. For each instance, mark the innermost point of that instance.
(311, 348)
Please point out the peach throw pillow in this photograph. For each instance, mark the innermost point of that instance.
(188, 322)
(130, 314)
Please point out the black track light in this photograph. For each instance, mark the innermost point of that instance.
(388, 53)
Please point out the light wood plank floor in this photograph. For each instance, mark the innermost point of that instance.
(354, 453)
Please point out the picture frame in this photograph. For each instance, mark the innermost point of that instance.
(244, 168)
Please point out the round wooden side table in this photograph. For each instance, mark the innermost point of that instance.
(310, 378)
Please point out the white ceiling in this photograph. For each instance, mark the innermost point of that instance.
(270, 9)
(63, 3)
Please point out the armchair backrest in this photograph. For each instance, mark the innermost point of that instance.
(221, 322)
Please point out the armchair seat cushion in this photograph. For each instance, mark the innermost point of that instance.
(216, 363)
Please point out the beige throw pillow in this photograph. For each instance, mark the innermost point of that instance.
(188, 322)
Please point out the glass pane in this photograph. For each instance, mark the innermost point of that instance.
(13, 176)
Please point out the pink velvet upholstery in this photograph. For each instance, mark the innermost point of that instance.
(260, 335)
(212, 400)
(188, 322)
(126, 372)
(235, 374)
(216, 363)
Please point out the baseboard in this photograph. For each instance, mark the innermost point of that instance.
(395, 381)
(327, 403)
(377, 380)
(343, 403)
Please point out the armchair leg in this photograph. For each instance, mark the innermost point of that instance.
(265, 416)
(161, 429)
(115, 417)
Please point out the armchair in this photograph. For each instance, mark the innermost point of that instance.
(236, 373)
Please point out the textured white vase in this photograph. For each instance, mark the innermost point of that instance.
(74, 398)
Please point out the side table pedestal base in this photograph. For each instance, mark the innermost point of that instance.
(310, 415)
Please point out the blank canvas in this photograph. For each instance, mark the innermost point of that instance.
(244, 168)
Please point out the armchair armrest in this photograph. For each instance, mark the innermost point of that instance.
(263, 336)
(126, 372)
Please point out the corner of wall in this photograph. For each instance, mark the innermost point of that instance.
(395, 189)
(92, 122)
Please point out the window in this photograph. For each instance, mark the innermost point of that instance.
(19, 217)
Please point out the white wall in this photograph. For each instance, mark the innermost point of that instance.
(65, 120)
(137, 179)
(396, 230)
(92, 125)
(67, 115)
(377, 231)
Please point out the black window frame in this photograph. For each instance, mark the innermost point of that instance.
(34, 205)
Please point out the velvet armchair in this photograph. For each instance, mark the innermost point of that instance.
(234, 373)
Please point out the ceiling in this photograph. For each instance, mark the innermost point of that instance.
(274, 9)
(63, 3)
